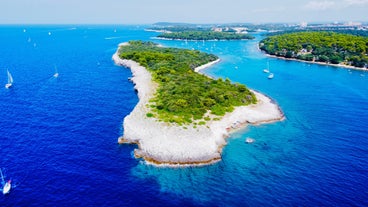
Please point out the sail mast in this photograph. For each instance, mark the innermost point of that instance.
(2, 176)
(10, 78)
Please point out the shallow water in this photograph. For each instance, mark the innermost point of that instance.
(59, 135)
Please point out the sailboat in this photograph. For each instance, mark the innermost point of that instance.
(10, 80)
(6, 185)
(267, 70)
(56, 74)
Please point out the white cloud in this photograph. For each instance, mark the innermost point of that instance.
(356, 2)
(321, 5)
(266, 10)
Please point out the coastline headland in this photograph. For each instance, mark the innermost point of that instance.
(342, 66)
(319, 47)
(162, 143)
(314, 62)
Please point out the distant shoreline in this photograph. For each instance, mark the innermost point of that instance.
(195, 40)
(318, 63)
(313, 62)
(161, 143)
(158, 31)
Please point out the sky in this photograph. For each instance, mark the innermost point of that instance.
(188, 11)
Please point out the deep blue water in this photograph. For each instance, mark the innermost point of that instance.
(59, 135)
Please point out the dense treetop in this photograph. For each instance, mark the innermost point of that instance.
(355, 32)
(205, 35)
(184, 96)
(330, 47)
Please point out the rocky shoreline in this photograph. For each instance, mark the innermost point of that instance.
(163, 143)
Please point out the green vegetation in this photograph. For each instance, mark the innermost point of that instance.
(184, 96)
(205, 35)
(327, 47)
(363, 33)
(149, 115)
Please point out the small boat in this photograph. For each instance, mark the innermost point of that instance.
(270, 76)
(10, 80)
(249, 140)
(6, 185)
(56, 74)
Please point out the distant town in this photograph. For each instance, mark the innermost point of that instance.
(358, 28)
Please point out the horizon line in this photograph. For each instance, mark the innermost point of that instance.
(187, 23)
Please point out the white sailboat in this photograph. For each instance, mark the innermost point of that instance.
(6, 185)
(10, 80)
(267, 70)
(56, 74)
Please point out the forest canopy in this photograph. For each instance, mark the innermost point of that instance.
(184, 96)
(329, 47)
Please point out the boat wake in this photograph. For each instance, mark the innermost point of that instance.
(112, 38)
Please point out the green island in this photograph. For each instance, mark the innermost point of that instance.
(328, 47)
(325, 47)
(184, 96)
(205, 35)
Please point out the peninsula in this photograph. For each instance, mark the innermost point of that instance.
(336, 49)
(183, 117)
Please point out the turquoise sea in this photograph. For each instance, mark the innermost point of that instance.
(58, 136)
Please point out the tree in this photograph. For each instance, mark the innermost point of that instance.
(335, 59)
(289, 54)
(323, 58)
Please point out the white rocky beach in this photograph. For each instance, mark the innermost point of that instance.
(169, 144)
